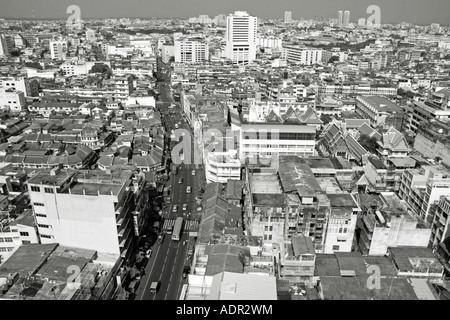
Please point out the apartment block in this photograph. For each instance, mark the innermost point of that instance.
(12, 100)
(390, 225)
(58, 50)
(421, 188)
(191, 51)
(380, 111)
(440, 223)
(89, 209)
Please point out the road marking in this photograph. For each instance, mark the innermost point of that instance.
(150, 271)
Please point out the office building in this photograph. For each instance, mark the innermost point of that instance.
(241, 37)
(346, 18)
(302, 55)
(191, 51)
(287, 17)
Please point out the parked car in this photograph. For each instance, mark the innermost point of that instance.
(175, 208)
(160, 238)
(148, 254)
(185, 206)
(193, 172)
(188, 189)
(186, 271)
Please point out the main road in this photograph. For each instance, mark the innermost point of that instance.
(169, 257)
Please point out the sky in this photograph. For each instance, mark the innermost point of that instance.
(392, 11)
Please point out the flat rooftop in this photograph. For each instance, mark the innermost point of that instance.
(265, 184)
(27, 259)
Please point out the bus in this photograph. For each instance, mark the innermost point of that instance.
(177, 229)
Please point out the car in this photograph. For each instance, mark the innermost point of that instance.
(193, 172)
(183, 133)
(160, 238)
(154, 287)
(168, 200)
(186, 271)
(175, 208)
(148, 254)
(180, 181)
(188, 189)
(185, 206)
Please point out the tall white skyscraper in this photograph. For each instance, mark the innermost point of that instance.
(241, 37)
(346, 18)
(287, 17)
(191, 51)
(340, 17)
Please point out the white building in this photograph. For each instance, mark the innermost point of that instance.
(19, 84)
(90, 35)
(241, 37)
(12, 100)
(191, 51)
(346, 18)
(15, 232)
(287, 17)
(221, 166)
(341, 224)
(75, 68)
(260, 139)
(302, 55)
(58, 49)
(89, 212)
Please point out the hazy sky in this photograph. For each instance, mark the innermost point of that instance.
(392, 11)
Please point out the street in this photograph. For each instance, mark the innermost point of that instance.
(169, 257)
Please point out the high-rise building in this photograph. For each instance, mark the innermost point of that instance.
(241, 37)
(340, 18)
(287, 17)
(89, 209)
(346, 18)
(58, 49)
(191, 51)
(3, 46)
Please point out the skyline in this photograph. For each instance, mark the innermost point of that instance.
(411, 11)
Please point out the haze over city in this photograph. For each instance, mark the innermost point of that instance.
(414, 11)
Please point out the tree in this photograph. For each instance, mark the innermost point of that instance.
(325, 118)
(368, 143)
(99, 68)
(35, 65)
(333, 59)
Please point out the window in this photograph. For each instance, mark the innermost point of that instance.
(38, 204)
(2, 240)
(26, 242)
(25, 234)
(265, 237)
(335, 247)
(271, 228)
(8, 240)
(2, 249)
(35, 189)
(340, 230)
(345, 230)
(45, 236)
(270, 237)
(48, 190)
(43, 226)
(266, 228)
(41, 215)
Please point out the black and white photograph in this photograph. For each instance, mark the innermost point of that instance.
(229, 157)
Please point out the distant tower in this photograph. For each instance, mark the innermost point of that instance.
(346, 18)
(340, 18)
(287, 17)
